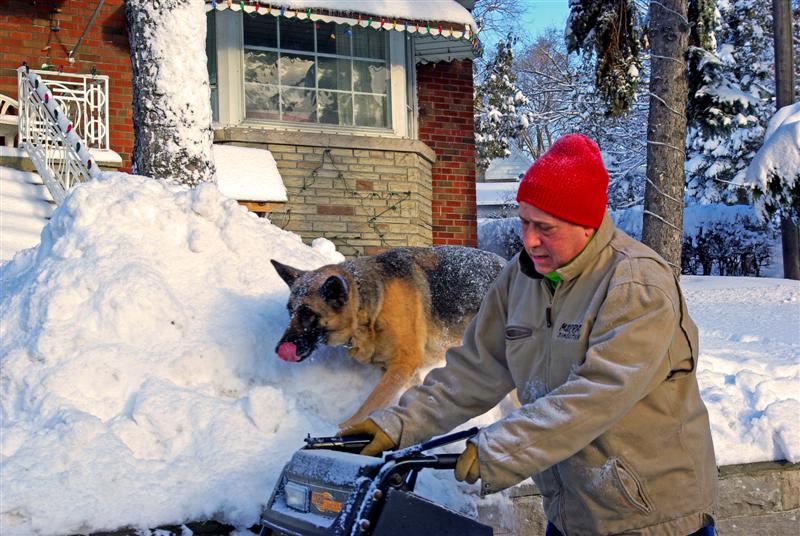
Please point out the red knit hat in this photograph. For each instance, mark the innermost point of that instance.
(568, 181)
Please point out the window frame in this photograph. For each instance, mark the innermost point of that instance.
(229, 28)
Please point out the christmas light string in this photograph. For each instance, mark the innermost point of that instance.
(346, 17)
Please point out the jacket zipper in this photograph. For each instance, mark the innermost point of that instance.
(548, 313)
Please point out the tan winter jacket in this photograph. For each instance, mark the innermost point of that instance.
(612, 427)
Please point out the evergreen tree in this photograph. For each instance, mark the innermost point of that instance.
(729, 109)
(499, 107)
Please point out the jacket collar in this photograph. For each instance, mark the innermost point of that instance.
(577, 265)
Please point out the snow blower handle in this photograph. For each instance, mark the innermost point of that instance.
(416, 450)
(345, 443)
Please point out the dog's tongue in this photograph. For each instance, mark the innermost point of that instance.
(288, 352)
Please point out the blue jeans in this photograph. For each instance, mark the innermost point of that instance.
(705, 531)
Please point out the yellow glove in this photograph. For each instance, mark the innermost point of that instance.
(467, 465)
(380, 440)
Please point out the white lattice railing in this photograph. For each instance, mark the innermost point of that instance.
(53, 143)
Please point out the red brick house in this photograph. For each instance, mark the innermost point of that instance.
(369, 116)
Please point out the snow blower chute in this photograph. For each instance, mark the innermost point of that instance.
(329, 489)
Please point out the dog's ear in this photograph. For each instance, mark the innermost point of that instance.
(334, 290)
(286, 272)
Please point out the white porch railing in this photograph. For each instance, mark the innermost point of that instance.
(51, 139)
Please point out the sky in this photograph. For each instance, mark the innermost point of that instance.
(541, 14)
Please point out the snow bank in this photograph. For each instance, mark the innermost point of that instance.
(749, 367)
(139, 381)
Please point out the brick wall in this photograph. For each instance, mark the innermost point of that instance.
(447, 125)
(26, 34)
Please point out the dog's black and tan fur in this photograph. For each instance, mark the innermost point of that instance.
(394, 310)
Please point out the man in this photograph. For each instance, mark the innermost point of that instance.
(591, 329)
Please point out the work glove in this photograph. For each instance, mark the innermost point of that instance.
(467, 465)
(380, 440)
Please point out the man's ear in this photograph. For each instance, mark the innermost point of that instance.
(287, 273)
(335, 291)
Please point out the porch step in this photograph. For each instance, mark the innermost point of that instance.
(25, 208)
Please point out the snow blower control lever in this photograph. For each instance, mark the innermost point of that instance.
(327, 488)
(347, 443)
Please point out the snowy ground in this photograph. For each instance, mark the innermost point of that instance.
(139, 384)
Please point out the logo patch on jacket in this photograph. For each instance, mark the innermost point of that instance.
(570, 332)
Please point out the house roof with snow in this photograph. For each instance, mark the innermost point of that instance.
(441, 18)
(510, 168)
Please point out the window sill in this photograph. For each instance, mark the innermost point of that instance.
(264, 134)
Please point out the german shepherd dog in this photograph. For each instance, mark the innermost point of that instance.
(399, 310)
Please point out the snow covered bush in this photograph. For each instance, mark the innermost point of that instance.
(741, 248)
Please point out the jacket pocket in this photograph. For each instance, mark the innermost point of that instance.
(631, 486)
(517, 333)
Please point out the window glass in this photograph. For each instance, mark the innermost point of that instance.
(211, 55)
(297, 70)
(261, 66)
(335, 108)
(262, 101)
(315, 72)
(334, 73)
(296, 34)
(299, 105)
(370, 111)
(333, 38)
(260, 31)
(369, 43)
(370, 76)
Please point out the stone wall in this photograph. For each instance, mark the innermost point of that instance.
(365, 194)
(757, 498)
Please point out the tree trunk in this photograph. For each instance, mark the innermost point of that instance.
(662, 228)
(784, 96)
(171, 99)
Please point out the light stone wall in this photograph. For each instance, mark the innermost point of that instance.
(366, 194)
(756, 498)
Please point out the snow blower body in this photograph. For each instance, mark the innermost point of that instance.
(327, 488)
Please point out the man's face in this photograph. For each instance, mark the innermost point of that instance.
(549, 241)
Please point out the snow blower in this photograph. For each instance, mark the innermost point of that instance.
(327, 488)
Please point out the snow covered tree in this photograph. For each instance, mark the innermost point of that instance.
(500, 115)
(609, 29)
(563, 98)
(731, 102)
(171, 92)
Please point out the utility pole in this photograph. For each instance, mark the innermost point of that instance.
(784, 96)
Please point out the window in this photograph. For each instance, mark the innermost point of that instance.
(310, 74)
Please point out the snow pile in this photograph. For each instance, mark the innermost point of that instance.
(778, 157)
(749, 367)
(139, 381)
(248, 174)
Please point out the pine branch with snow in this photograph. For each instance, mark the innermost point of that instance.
(500, 107)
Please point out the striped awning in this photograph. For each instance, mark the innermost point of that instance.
(381, 18)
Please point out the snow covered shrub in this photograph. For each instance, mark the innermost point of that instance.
(738, 248)
(501, 236)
